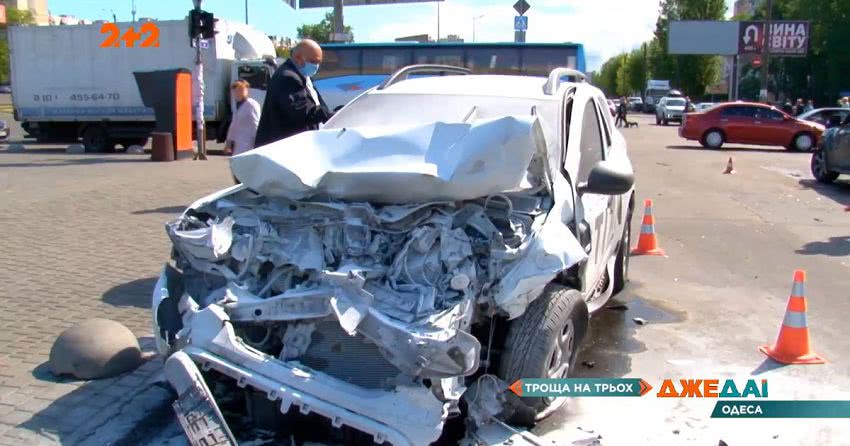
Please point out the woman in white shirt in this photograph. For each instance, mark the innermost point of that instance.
(243, 128)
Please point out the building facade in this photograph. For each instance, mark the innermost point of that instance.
(37, 7)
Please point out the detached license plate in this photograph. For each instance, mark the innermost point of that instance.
(201, 420)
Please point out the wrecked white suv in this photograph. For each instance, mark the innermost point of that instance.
(436, 231)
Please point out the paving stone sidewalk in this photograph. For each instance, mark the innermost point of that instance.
(82, 238)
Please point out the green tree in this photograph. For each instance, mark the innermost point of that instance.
(607, 77)
(697, 73)
(693, 74)
(14, 17)
(321, 32)
(822, 74)
(637, 70)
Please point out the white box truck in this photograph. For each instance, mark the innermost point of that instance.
(66, 86)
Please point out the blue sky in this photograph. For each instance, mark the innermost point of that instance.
(605, 27)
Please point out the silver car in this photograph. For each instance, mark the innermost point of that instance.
(438, 235)
(669, 109)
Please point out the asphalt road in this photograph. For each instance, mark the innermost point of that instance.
(733, 242)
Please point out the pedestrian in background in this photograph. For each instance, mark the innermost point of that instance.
(809, 106)
(845, 102)
(798, 107)
(621, 113)
(787, 107)
(246, 117)
(292, 104)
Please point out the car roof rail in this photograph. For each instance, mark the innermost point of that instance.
(405, 72)
(555, 76)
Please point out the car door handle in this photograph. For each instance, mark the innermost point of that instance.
(756, 122)
(724, 120)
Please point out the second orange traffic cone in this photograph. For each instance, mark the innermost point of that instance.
(648, 242)
(793, 345)
(730, 167)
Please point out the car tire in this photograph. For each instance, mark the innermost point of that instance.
(657, 120)
(666, 123)
(713, 139)
(820, 170)
(544, 342)
(621, 264)
(803, 142)
(96, 139)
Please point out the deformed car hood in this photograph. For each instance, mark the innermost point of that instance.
(391, 164)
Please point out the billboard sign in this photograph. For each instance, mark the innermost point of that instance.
(330, 3)
(703, 37)
(787, 37)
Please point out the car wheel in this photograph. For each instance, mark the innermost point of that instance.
(544, 341)
(666, 123)
(804, 142)
(713, 139)
(621, 265)
(96, 139)
(657, 120)
(820, 170)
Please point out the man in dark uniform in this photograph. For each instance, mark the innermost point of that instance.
(292, 104)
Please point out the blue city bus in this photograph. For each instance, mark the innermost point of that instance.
(349, 69)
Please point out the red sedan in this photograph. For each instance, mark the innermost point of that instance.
(750, 123)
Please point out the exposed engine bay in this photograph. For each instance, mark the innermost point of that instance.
(361, 312)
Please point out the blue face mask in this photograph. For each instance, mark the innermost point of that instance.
(309, 69)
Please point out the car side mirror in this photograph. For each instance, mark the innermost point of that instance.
(605, 179)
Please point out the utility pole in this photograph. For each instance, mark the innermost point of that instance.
(134, 10)
(246, 12)
(765, 54)
(339, 24)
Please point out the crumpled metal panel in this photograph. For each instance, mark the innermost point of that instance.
(436, 161)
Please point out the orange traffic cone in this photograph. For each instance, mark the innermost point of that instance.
(730, 168)
(647, 243)
(792, 345)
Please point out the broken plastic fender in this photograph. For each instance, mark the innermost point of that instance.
(552, 250)
(431, 162)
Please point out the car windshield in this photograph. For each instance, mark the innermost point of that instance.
(675, 102)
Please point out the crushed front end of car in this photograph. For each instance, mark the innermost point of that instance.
(345, 277)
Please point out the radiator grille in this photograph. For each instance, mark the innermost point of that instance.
(348, 358)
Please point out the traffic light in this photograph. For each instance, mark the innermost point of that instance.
(201, 24)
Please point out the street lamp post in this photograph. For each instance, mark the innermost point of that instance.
(475, 19)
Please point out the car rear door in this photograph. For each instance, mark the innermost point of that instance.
(738, 123)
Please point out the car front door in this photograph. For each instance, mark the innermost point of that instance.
(596, 209)
(772, 127)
